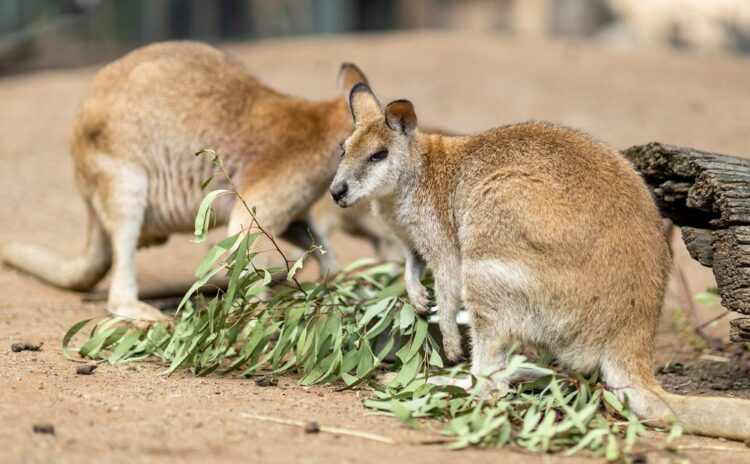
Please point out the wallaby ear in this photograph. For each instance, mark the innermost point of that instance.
(400, 116)
(364, 104)
(349, 76)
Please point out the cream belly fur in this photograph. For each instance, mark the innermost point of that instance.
(543, 234)
(133, 144)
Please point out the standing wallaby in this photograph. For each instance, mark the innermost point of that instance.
(133, 145)
(543, 234)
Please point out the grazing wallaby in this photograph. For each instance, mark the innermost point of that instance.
(543, 234)
(133, 145)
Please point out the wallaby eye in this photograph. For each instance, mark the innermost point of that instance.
(379, 156)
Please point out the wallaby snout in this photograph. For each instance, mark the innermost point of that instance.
(338, 192)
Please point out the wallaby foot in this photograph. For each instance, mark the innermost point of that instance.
(137, 311)
(453, 350)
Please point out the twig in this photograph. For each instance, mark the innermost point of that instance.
(331, 430)
(710, 448)
(236, 192)
(713, 319)
(699, 329)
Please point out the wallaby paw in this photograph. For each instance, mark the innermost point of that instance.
(453, 352)
(137, 312)
(420, 300)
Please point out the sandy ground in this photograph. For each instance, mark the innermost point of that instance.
(127, 413)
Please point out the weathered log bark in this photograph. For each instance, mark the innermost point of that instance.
(699, 243)
(708, 196)
(739, 329)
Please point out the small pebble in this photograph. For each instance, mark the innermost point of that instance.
(637, 458)
(266, 381)
(312, 427)
(18, 347)
(86, 369)
(46, 429)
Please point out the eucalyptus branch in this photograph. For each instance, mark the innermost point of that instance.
(220, 164)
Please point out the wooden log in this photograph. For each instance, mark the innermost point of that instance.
(708, 196)
(732, 267)
(693, 186)
(739, 330)
(699, 243)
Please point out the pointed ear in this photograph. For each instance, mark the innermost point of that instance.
(349, 76)
(364, 104)
(400, 116)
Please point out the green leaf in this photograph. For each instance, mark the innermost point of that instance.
(125, 345)
(612, 401)
(72, 333)
(419, 337)
(408, 372)
(375, 310)
(202, 219)
(393, 290)
(613, 448)
(295, 267)
(407, 317)
(674, 432)
(435, 359)
(403, 414)
(215, 253)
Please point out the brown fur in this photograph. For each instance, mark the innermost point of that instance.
(544, 235)
(133, 145)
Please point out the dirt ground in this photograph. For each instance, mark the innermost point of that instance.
(127, 412)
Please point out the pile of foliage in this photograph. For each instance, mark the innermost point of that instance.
(348, 328)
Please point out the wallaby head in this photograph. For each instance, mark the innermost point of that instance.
(377, 154)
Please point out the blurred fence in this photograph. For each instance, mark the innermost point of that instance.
(43, 33)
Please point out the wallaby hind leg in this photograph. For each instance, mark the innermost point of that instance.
(633, 377)
(80, 273)
(122, 209)
(489, 353)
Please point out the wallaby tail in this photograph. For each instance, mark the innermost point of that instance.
(79, 273)
(709, 416)
(699, 415)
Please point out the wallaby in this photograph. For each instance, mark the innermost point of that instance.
(133, 144)
(545, 236)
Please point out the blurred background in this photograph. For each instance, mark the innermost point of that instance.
(54, 33)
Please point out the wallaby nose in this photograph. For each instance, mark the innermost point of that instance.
(338, 191)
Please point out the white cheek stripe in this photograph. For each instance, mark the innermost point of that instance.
(511, 274)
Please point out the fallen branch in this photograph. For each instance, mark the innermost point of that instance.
(710, 448)
(331, 430)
